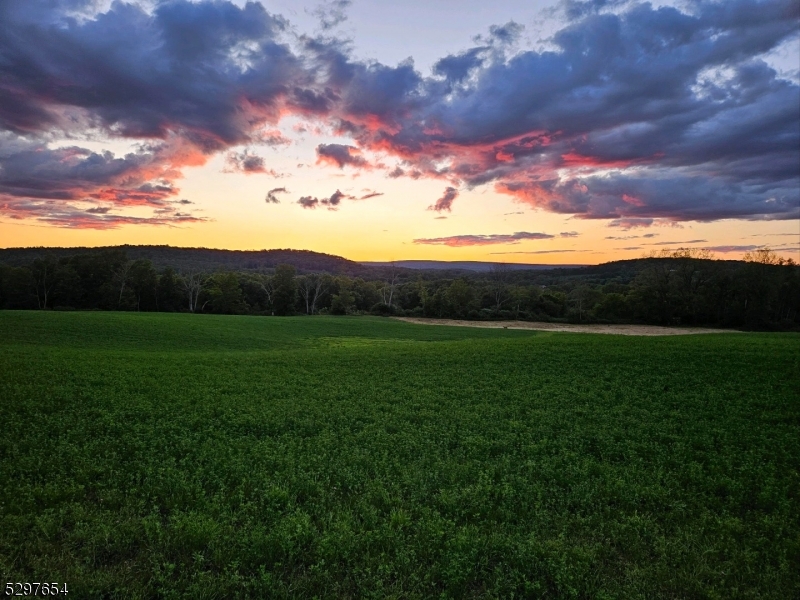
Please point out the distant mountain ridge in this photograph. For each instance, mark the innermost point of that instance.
(203, 259)
(210, 259)
(466, 265)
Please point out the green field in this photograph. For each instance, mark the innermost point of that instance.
(190, 456)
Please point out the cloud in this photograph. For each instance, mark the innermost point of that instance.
(308, 202)
(540, 252)
(272, 137)
(576, 9)
(446, 201)
(52, 185)
(645, 113)
(797, 235)
(457, 241)
(674, 243)
(340, 155)
(728, 249)
(272, 197)
(569, 234)
(332, 13)
(212, 71)
(639, 222)
(371, 194)
(332, 202)
(247, 163)
(456, 68)
(633, 113)
(71, 216)
(630, 237)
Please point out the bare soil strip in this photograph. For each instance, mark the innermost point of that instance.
(568, 327)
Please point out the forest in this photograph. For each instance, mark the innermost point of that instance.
(678, 287)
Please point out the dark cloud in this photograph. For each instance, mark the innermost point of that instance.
(332, 13)
(638, 115)
(483, 240)
(308, 202)
(336, 198)
(68, 215)
(569, 234)
(371, 194)
(271, 137)
(247, 163)
(332, 202)
(506, 34)
(446, 201)
(272, 195)
(209, 70)
(647, 113)
(50, 185)
(340, 155)
(456, 68)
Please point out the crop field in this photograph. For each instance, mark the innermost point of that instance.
(191, 456)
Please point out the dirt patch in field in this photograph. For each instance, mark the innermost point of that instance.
(569, 327)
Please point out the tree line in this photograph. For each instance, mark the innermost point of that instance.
(679, 287)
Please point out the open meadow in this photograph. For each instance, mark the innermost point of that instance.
(195, 456)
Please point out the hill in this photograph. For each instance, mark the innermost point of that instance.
(464, 265)
(204, 259)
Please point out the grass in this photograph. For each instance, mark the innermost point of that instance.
(190, 456)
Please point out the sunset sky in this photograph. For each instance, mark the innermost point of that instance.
(505, 131)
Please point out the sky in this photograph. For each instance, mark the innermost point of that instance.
(560, 131)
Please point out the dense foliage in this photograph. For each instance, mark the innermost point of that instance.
(184, 456)
(678, 287)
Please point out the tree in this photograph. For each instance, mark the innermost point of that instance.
(168, 293)
(612, 306)
(142, 280)
(311, 289)
(193, 283)
(460, 298)
(16, 284)
(499, 275)
(284, 295)
(96, 272)
(387, 291)
(343, 302)
(226, 294)
(256, 291)
(69, 290)
(121, 279)
(267, 286)
(44, 278)
(584, 298)
(763, 256)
